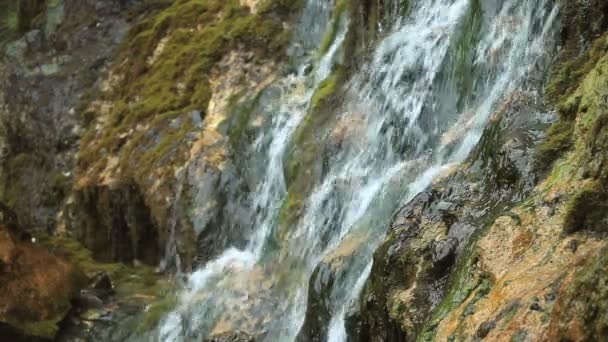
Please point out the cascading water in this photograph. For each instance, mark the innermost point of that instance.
(418, 107)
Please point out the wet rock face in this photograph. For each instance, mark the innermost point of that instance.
(36, 287)
(584, 21)
(408, 273)
(500, 250)
(115, 223)
(322, 292)
(414, 265)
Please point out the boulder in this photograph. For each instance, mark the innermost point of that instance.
(36, 288)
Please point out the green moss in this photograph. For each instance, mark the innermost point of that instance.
(306, 147)
(559, 140)
(13, 190)
(508, 315)
(44, 329)
(142, 281)
(461, 59)
(156, 311)
(321, 108)
(482, 291)
(239, 118)
(280, 7)
(289, 213)
(585, 301)
(519, 336)
(59, 185)
(571, 68)
(29, 12)
(587, 210)
(462, 283)
(577, 87)
(9, 20)
(162, 82)
(326, 90)
(330, 35)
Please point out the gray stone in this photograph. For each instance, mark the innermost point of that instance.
(197, 118)
(444, 249)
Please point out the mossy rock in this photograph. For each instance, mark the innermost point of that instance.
(29, 12)
(142, 281)
(36, 287)
(588, 209)
(559, 139)
(581, 312)
(166, 60)
(155, 312)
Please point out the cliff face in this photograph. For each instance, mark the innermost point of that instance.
(102, 123)
(128, 126)
(46, 76)
(510, 245)
(154, 130)
(114, 122)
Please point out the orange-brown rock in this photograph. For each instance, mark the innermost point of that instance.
(35, 287)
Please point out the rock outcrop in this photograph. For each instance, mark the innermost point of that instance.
(36, 287)
(125, 134)
(154, 127)
(498, 249)
(45, 77)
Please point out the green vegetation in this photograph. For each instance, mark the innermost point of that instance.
(461, 65)
(9, 20)
(44, 329)
(166, 61)
(585, 303)
(588, 209)
(142, 281)
(30, 13)
(140, 284)
(334, 26)
(239, 118)
(13, 191)
(461, 284)
(556, 143)
(571, 69)
(508, 315)
(327, 89)
(576, 89)
(305, 151)
(155, 312)
(305, 146)
(482, 291)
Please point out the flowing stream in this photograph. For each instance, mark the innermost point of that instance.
(415, 109)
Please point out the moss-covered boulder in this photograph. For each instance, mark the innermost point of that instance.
(36, 287)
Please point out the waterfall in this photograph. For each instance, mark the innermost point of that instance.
(417, 108)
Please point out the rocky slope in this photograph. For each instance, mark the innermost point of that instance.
(123, 126)
(113, 120)
(511, 245)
